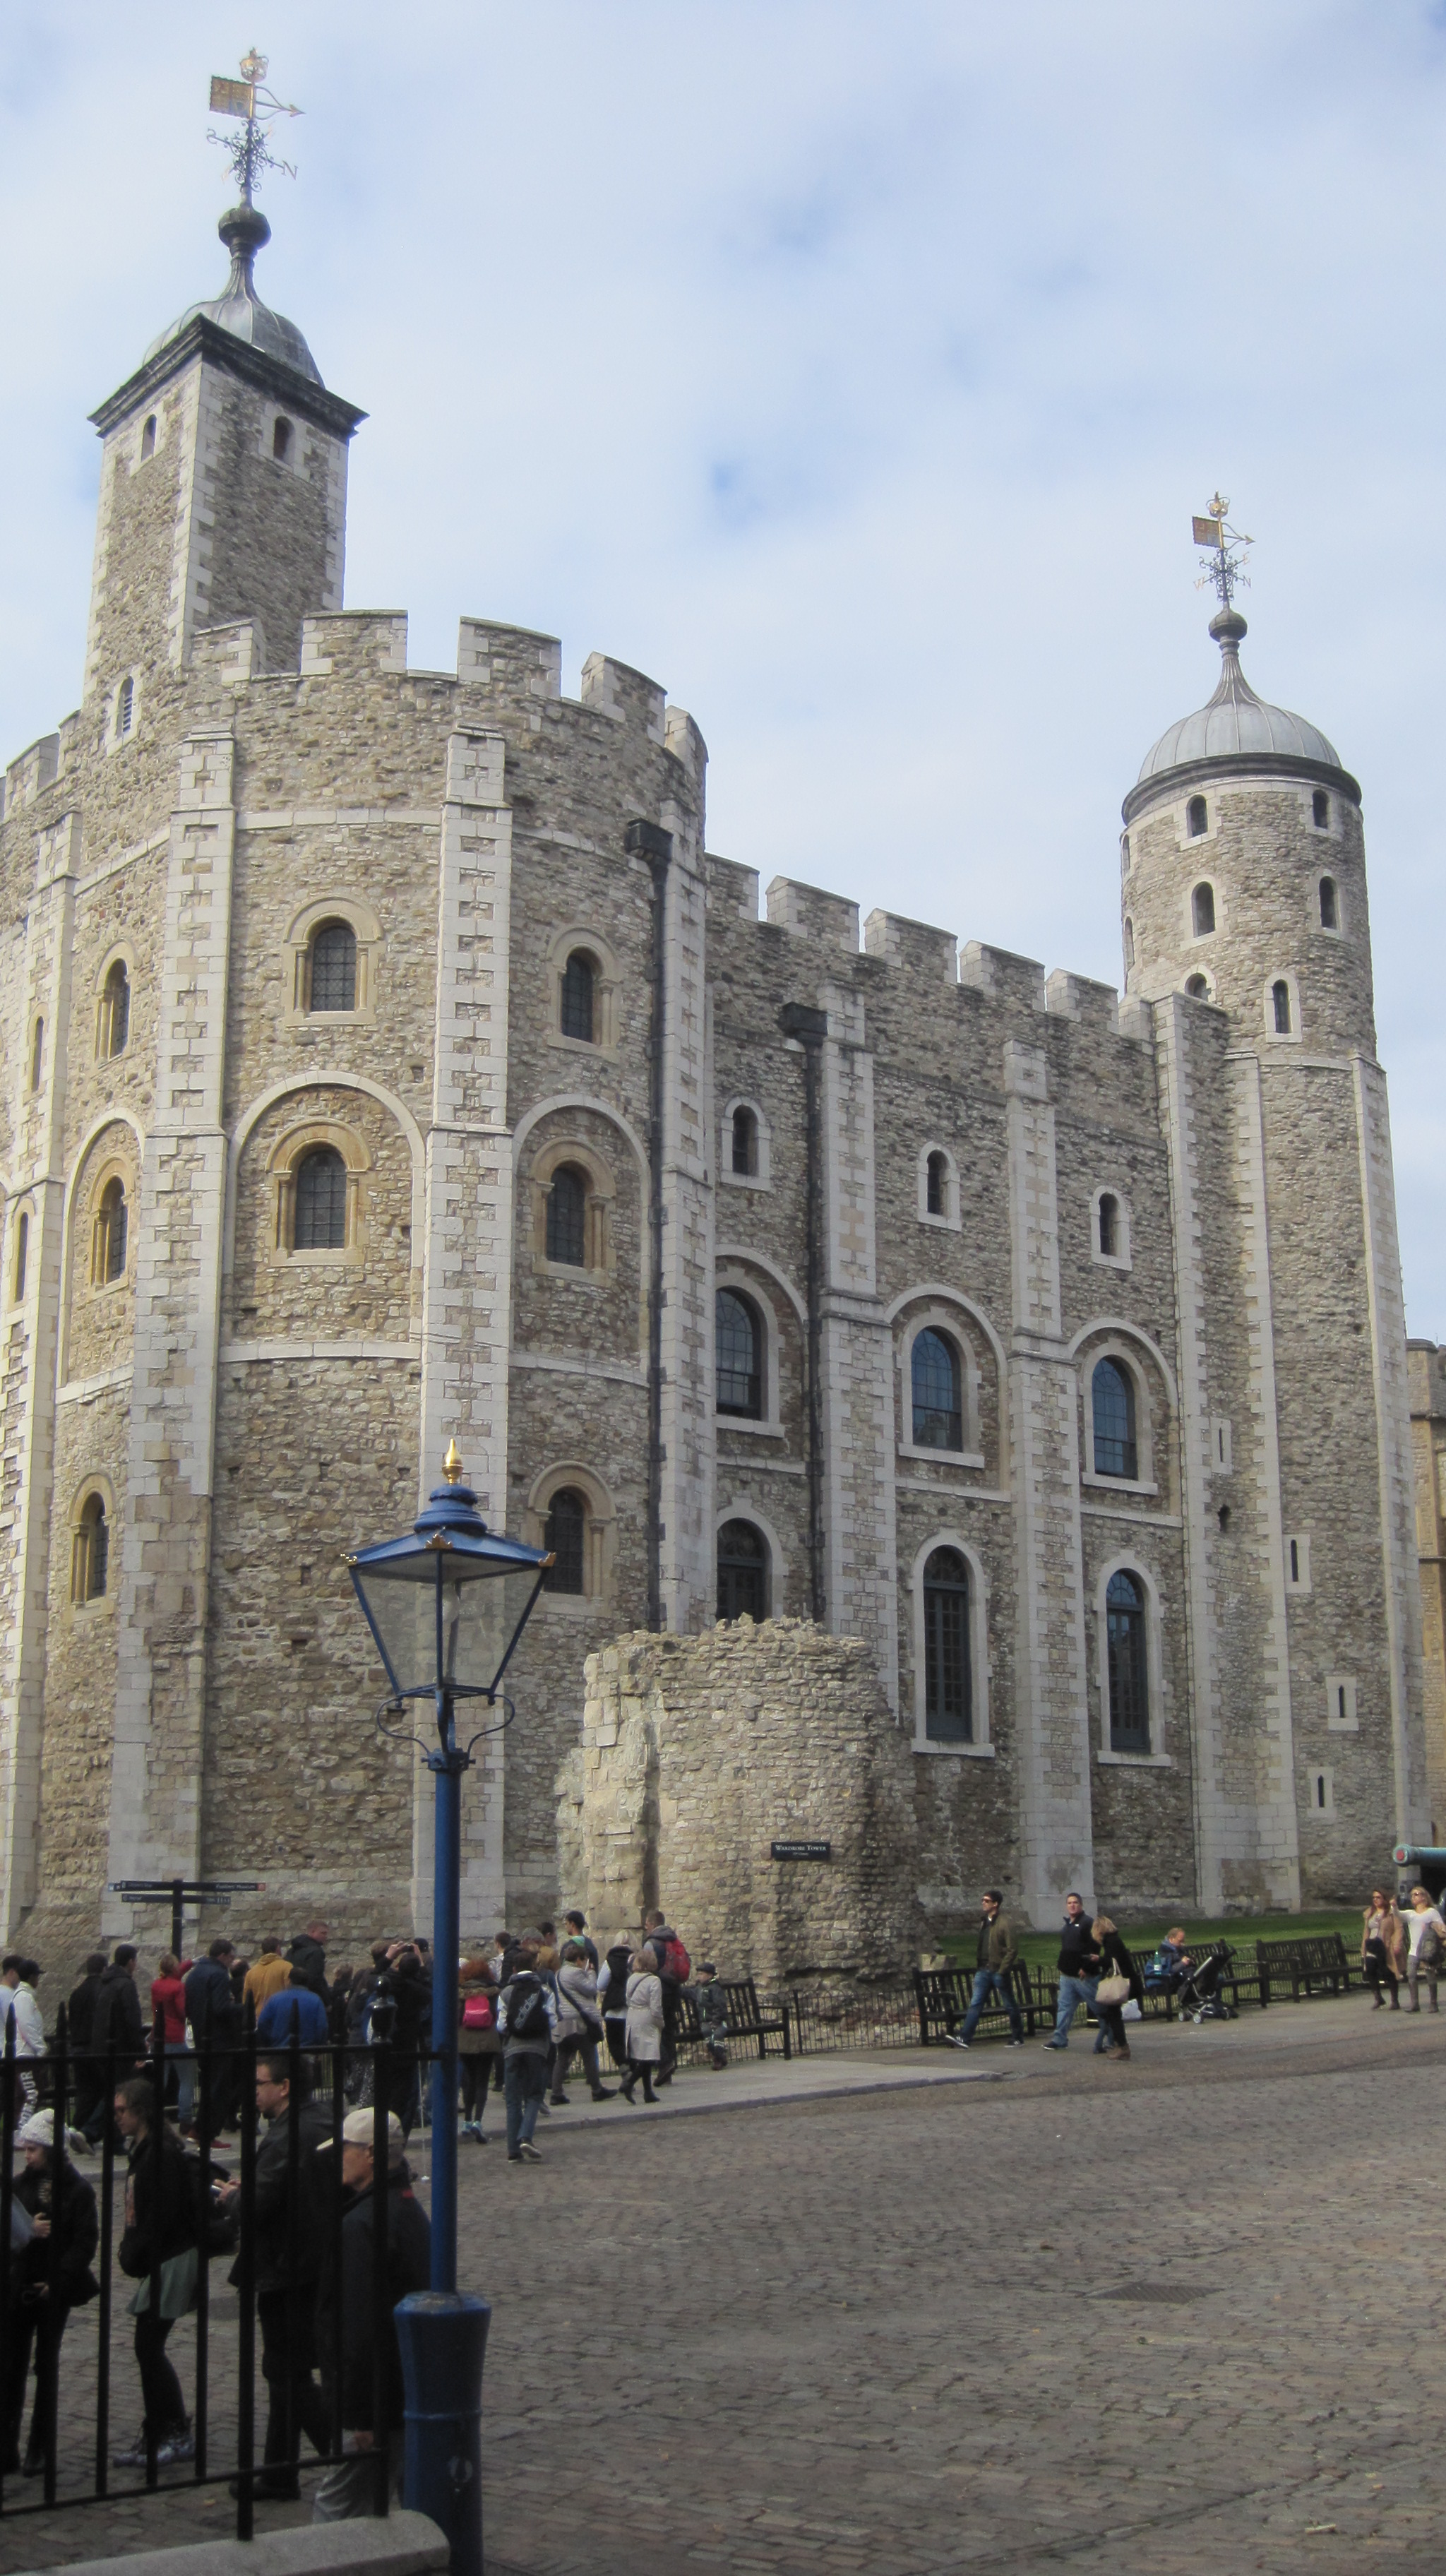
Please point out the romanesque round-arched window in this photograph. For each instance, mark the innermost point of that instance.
(319, 1224)
(567, 1217)
(948, 1678)
(115, 1012)
(89, 1552)
(331, 984)
(742, 1571)
(108, 1243)
(1129, 1672)
(738, 1347)
(935, 1388)
(565, 1535)
(1113, 1399)
(576, 1010)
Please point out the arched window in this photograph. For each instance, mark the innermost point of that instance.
(742, 1572)
(567, 1217)
(935, 1388)
(281, 440)
(1202, 910)
(1329, 910)
(148, 440)
(738, 1339)
(744, 1141)
(125, 707)
(1280, 1007)
(89, 1552)
(22, 1253)
(1113, 1398)
(578, 978)
(936, 1184)
(320, 1219)
(115, 1011)
(565, 1534)
(1320, 810)
(332, 982)
(1128, 1665)
(948, 1678)
(108, 1244)
(1124, 854)
(1197, 988)
(1196, 818)
(37, 1055)
(1129, 944)
(1109, 1225)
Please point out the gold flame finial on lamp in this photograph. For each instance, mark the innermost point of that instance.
(452, 1463)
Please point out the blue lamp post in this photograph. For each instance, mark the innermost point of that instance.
(446, 1605)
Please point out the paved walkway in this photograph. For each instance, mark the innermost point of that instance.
(906, 2313)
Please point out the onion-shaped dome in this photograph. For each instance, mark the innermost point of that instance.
(239, 308)
(1236, 721)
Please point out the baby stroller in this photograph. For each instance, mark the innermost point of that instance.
(1200, 1998)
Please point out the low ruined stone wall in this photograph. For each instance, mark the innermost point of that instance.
(698, 1754)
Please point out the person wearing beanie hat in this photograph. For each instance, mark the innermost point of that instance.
(344, 2322)
(49, 2276)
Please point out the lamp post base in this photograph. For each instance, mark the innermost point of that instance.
(443, 2338)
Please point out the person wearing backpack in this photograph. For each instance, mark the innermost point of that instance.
(674, 1970)
(477, 2042)
(579, 2027)
(527, 2019)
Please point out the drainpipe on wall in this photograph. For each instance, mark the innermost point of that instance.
(810, 1027)
(649, 841)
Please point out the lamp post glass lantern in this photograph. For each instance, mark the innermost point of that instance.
(446, 1605)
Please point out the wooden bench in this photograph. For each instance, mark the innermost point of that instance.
(746, 2016)
(1319, 1957)
(942, 1995)
(1232, 1978)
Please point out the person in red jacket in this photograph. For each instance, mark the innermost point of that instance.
(168, 2007)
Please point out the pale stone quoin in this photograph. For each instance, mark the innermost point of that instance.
(388, 1060)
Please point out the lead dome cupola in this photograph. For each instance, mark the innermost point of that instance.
(1235, 721)
(238, 308)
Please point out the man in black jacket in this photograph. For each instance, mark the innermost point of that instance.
(79, 2027)
(344, 2333)
(1079, 1968)
(215, 2019)
(291, 2238)
(308, 1953)
(116, 2023)
(657, 1933)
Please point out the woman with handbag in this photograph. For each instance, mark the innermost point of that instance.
(1119, 1980)
(1383, 1947)
(1427, 1935)
(478, 2042)
(645, 2024)
(159, 2252)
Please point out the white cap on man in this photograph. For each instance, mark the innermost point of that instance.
(359, 2129)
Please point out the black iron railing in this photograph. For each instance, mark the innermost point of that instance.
(223, 2151)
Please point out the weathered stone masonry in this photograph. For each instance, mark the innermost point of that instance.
(886, 1146)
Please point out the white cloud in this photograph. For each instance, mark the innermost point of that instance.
(853, 371)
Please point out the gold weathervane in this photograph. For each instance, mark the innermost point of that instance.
(1224, 564)
(250, 152)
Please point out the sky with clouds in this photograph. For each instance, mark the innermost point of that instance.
(851, 369)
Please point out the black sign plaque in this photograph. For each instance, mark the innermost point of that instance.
(802, 1851)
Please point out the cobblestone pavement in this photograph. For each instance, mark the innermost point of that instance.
(1056, 2313)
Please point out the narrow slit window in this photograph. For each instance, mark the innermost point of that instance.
(578, 1000)
(744, 1143)
(948, 1678)
(1280, 1007)
(1320, 810)
(1196, 818)
(320, 1224)
(89, 1552)
(281, 441)
(108, 1251)
(1129, 944)
(115, 1011)
(1202, 910)
(567, 1217)
(1197, 988)
(148, 440)
(22, 1253)
(37, 1055)
(1109, 1226)
(936, 1185)
(1329, 910)
(1128, 1660)
(125, 707)
(566, 1536)
(1295, 1560)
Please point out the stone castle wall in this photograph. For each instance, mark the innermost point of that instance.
(697, 1754)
